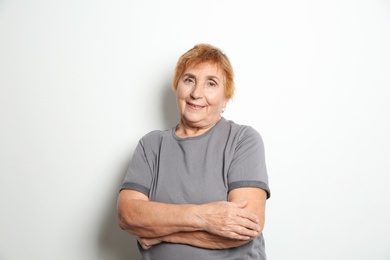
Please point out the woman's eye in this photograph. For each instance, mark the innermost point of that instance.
(211, 84)
(189, 80)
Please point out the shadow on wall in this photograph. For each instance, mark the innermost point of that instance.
(169, 107)
(115, 243)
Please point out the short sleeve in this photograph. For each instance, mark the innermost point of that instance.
(248, 167)
(139, 173)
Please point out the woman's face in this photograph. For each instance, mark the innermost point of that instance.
(200, 95)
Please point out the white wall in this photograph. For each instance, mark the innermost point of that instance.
(81, 81)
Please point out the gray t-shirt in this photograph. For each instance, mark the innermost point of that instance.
(197, 170)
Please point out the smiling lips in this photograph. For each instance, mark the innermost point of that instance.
(194, 106)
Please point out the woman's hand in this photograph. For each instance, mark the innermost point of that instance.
(147, 243)
(229, 219)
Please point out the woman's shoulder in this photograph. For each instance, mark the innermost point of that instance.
(245, 137)
(241, 129)
(154, 137)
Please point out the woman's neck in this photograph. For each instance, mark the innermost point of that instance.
(184, 129)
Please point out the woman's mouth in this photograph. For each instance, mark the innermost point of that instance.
(194, 106)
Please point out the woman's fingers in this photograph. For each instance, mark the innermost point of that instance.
(147, 243)
(229, 219)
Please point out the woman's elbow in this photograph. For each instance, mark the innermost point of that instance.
(122, 223)
(125, 220)
(126, 224)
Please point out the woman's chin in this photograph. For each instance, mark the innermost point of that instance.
(199, 120)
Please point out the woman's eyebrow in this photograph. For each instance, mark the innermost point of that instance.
(189, 75)
(213, 78)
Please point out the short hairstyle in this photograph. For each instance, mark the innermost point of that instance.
(206, 53)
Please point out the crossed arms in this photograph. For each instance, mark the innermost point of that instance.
(216, 225)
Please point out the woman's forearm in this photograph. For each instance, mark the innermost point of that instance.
(149, 219)
(197, 238)
(145, 218)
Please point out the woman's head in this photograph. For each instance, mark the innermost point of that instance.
(206, 53)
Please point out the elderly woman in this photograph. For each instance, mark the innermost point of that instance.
(198, 190)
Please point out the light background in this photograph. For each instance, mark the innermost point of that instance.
(81, 81)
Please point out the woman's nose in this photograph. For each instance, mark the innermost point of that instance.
(197, 91)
